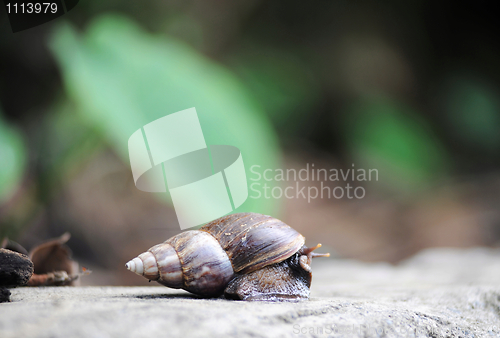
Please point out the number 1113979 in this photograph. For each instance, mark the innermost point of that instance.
(32, 8)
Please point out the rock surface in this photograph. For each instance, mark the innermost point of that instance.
(15, 268)
(438, 293)
(4, 295)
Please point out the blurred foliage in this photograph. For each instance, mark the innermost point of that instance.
(68, 144)
(280, 82)
(121, 78)
(391, 137)
(13, 159)
(472, 110)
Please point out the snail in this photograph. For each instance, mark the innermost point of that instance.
(244, 256)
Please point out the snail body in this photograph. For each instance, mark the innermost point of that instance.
(243, 256)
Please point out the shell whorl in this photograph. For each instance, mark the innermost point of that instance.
(160, 263)
(206, 268)
(253, 241)
(144, 265)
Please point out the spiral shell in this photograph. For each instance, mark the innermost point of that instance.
(204, 261)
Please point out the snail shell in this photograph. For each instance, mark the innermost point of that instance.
(250, 256)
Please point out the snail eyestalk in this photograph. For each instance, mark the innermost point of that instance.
(313, 254)
(309, 252)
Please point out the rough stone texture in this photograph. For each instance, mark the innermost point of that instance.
(438, 293)
(15, 268)
(4, 295)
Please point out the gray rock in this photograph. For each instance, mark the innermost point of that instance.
(15, 268)
(4, 295)
(438, 293)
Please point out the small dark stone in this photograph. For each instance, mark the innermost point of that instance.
(15, 268)
(4, 295)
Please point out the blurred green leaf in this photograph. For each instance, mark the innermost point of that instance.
(279, 82)
(472, 110)
(121, 78)
(391, 138)
(13, 158)
(67, 145)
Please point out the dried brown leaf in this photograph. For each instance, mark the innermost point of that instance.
(52, 262)
(53, 255)
(9, 244)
